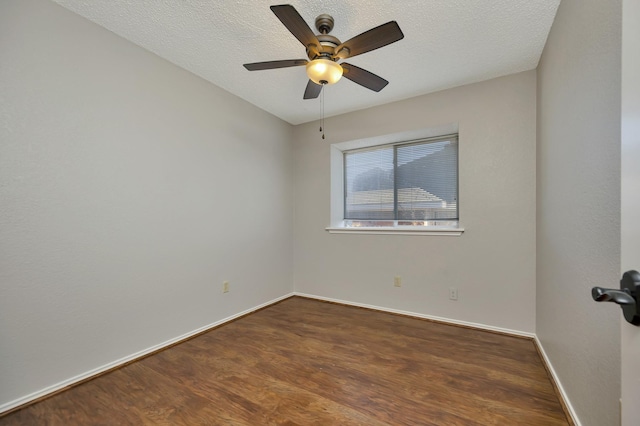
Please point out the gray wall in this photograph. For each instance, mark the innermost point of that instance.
(129, 190)
(578, 203)
(492, 264)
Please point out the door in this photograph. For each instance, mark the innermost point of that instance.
(630, 207)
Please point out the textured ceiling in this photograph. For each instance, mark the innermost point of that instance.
(446, 44)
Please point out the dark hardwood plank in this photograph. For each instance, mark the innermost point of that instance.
(305, 362)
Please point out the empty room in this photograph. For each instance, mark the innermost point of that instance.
(319, 213)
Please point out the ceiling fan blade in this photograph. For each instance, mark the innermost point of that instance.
(312, 91)
(363, 77)
(296, 24)
(269, 65)
(370, 40)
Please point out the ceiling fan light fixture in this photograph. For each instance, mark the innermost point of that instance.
(324, 71)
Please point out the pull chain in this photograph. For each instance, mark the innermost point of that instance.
(322, 111)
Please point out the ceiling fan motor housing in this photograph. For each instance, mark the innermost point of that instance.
(326, 49)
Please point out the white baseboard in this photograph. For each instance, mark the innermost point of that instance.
(96, 371)
(558, 384)
(423, 316)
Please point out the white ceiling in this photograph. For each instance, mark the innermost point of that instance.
(447, 43)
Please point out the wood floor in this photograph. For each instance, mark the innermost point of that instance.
(305, 362)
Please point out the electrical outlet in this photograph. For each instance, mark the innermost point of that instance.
(225, 287)
(453, 293)
(397, 281)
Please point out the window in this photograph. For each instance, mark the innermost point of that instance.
(411, 186)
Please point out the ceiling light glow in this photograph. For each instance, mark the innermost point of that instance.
(324, 71)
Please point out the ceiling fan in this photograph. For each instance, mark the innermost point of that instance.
(324, 51)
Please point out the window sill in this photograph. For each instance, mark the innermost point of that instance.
(392, 230)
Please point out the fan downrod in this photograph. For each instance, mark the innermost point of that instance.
(324, 23)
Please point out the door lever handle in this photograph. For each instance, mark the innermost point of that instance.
(620, 297)
(627, 297)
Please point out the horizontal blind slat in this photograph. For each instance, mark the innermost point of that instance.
(427, 182)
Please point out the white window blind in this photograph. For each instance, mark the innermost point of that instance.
(409, 182)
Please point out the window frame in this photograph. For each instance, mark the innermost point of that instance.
(395, 147)
(340, 225)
